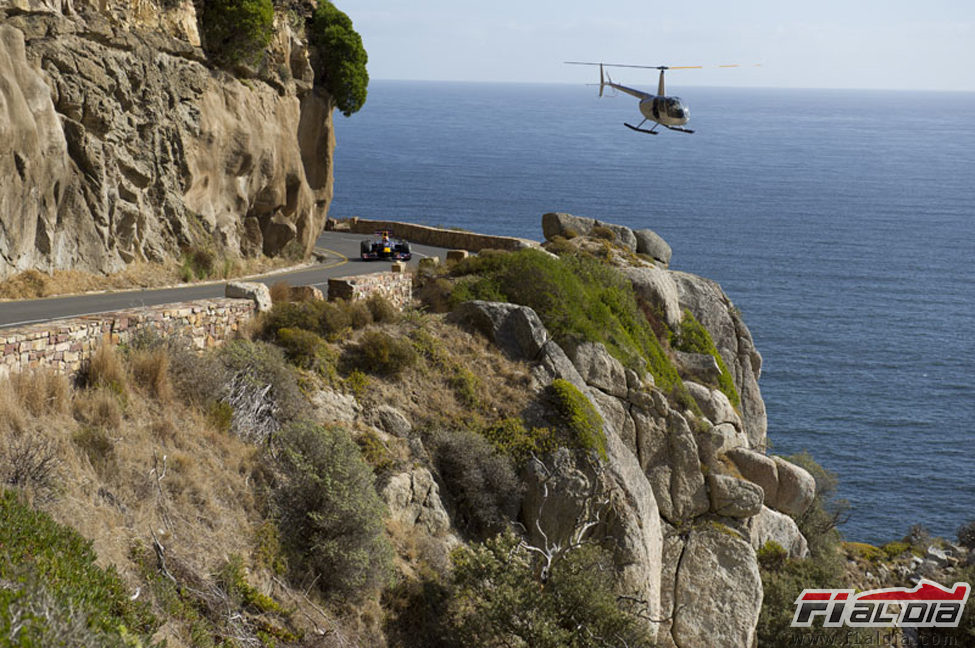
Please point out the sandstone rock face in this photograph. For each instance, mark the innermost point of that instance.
(769, 525)
(712, 308)
(650, 243)
(717, 591)
(121, 143)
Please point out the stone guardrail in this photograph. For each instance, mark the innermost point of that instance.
(437, 236)
(65, 344)
(396, 287)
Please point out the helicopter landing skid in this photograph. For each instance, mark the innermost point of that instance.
(678, 128)
(649, 131)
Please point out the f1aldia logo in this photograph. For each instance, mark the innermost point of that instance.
(928, 605)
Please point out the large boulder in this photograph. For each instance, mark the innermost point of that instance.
(413, 499)
(772, 526)
(717, 591)
(599, 369)
(712, 308)
(253, 290)
(516, 330)
(714, 404)
(788, 488)
(718, 440)
(733, 497)
(565, 225)
(657, 287)
(668, 455)
(392, 421)
(330, 406)
(797, 488)
(650, 243)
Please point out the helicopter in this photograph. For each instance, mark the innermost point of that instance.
(669, 112)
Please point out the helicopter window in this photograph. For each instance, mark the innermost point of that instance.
(675, 108)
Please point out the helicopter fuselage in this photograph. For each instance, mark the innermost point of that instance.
(669, 111)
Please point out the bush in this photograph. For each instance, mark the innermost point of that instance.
(104, 369)
(237, 31)
(966, 535)
(510, 437)
(581, 424)
(280, 292)
(29, 462)
(497, 599)
(98, 408)
(307, 350)
(342, 57)
(330, 516)
(382, 309)
(51, 582)
(895, 549)
(260, 387)
(694, 338)
(42, 391)
(99, 449)
(480, 483)
(382, 354)
(818, 524)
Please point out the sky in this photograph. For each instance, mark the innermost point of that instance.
(871, 44)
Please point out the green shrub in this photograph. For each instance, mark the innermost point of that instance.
(578, 299)
(694, 338)
(232, 578)
(382, 354)
(330, 516)
(966, 535)
(52, 583)
(603, 232)
(481, 485)
(342, 68)
(581, 424)
(382, 309)
(357, 382)
(465, 385)
(818, 523)
(510, 437)
(237, 31)
(359, 314)
(895, 549)
(497, 599)
(307, 350)
(772, 556)
(864, 551)
(375, 452)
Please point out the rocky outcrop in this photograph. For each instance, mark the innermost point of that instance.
(717, 590)
(517, 330)
(657, 287)
(413, 499)
(771, 526)
(255, 291)
(788, 488)
(652, 244)
(123, 144)
(712, 308)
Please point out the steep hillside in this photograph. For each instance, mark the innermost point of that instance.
(124, 141)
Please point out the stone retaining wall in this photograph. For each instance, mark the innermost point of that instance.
(64, 344)
(395, 286)
(437, 236)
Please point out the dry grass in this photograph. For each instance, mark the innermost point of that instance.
(150, 371)
(280, 292)
(97, 408)
(42, 391)
(33, 284)
(104, 369)
(428, 393)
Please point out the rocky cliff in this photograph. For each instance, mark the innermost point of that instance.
(122, 142)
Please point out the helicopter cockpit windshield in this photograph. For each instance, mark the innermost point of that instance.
(675, 108)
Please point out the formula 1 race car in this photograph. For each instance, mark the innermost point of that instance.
(385, 247)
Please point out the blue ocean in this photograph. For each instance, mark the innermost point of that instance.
(841, 223)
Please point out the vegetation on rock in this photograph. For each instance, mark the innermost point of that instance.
(237, 31)
(578, 418)
(343, 57)
(694, 338)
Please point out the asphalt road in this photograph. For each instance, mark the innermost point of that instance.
(341, 259)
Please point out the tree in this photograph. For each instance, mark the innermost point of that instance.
(342, 57)
(237, 31)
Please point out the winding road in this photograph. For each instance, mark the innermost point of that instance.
(340, 251)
